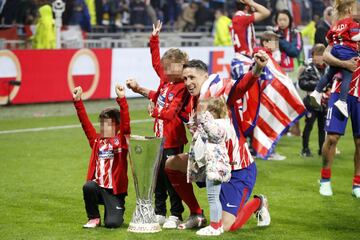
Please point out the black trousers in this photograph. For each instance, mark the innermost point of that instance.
(114, 204)
(163, 188)
(310, 119)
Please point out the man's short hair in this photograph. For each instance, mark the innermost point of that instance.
(240, 6)
(328, 11)
(110, 113)
(197, 64)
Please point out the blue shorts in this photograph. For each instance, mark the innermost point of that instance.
(343, 52)
(235, 193)
(336, 122)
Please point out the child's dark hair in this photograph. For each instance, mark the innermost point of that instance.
(197, 64)
(110, 113)
(287, 13)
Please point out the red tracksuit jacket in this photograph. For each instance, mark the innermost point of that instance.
(119, 168)
(168, 100)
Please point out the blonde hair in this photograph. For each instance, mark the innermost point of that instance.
(175, 55)
(216, 106)
(342, 6)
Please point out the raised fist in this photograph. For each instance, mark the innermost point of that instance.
(132, 84)
(261, 58)
(120, 90)
(77, 92)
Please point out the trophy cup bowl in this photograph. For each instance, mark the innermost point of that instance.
(144, 157)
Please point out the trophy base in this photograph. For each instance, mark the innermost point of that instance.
(144, 227)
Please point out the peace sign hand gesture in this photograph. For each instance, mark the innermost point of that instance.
(157, 28)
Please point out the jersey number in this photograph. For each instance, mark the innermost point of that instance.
(235, 39)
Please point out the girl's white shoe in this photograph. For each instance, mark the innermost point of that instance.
(210, 231)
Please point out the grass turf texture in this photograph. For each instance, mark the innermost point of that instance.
(42, 174)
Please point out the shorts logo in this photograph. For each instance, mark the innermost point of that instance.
(84, 71)
(231, 206)
(10, 70)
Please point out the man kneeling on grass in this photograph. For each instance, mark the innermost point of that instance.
(107, 179)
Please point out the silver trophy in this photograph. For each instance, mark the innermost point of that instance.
(144, 155)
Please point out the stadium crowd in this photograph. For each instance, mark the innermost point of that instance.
(182, 15)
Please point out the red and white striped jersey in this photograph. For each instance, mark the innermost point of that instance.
(108, 147)
(237, 146)
(341, 33)
(160, 103)
(354, 89)
(243, 33)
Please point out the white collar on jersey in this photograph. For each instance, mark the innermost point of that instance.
(206, 84)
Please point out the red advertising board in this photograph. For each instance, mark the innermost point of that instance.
(50, 75)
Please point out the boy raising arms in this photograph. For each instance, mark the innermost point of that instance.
(107, 179)
(165, 103)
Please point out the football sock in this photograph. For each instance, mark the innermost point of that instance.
(184, 190)
(216, 225)
(245, 213)
(356, 181)
(325, 174)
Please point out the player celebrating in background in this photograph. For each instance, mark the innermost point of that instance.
(107, 180)
(343, 38)
(242, 28)
(164, 106)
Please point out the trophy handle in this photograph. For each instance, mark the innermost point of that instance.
(156, 168)
(136, 181)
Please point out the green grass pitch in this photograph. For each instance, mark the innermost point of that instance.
(42, 173)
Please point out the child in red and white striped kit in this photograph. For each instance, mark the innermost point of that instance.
(165, 104)
(107, 179)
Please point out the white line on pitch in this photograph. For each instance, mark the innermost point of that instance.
(60, 127)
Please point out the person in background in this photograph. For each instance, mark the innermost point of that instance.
(138, 14)
(44, 37)
(291, 45)
(335, 125)
(186, 20)
(242, 28)
(221, 28)
(80, 15)
(309, 75)
(308, 32)
(269, 42)
(323, 27)
(92, 11)
(343, 36)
